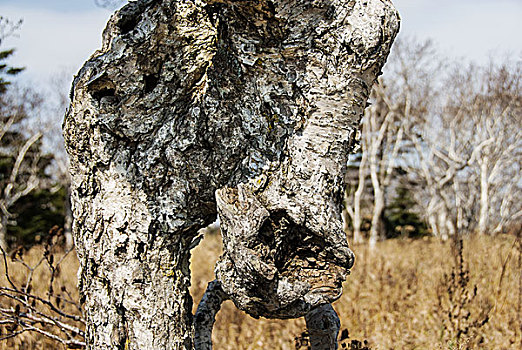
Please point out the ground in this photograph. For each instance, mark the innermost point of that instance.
(406, 294)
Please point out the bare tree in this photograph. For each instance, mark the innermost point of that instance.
(457, 132)
(469, 150)
(486, 109)
(17, 186)
(382, 137)
(56, 103)
(353, 196)
(192, 108)
(400, 101)
(23, 161)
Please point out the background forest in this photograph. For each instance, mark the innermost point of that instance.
(433, 210)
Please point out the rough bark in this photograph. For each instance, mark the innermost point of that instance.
(323, 326)
(257, 100)
(282, 227)
(205, 315)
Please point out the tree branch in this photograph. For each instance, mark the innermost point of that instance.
(206, 315)
(323, 326)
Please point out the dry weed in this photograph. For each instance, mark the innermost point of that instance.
(39, 298)
(392, 300)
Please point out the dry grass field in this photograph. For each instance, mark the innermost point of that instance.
(65, 277)
(406, 294)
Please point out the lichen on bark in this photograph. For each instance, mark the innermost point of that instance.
(197, 107)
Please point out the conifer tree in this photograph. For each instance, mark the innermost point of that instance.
(28, 207)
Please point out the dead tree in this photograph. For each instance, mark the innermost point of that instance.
(197, 107)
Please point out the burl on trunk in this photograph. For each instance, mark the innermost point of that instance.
(246, 108)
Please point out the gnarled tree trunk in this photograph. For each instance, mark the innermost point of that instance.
(257, 100)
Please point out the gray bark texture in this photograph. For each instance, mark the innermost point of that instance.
(246, 108)
(205, 315)
(323, 327)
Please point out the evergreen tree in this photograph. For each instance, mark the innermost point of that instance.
(400, 219)
(6, 71)
(28, 206)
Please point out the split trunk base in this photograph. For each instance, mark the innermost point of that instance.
(322, 323)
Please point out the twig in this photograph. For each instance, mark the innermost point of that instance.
(7, 269)
(12, 335)
(34, 313)
(67, 342)
(42, 319)
(43, 301)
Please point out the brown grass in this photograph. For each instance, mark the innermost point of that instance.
(65, 277)
(392, 298)
(400, 296)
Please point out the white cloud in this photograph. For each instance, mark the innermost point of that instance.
(51, 41)
(472, 29)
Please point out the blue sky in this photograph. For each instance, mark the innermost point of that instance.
(59, 35)
(53, 5)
